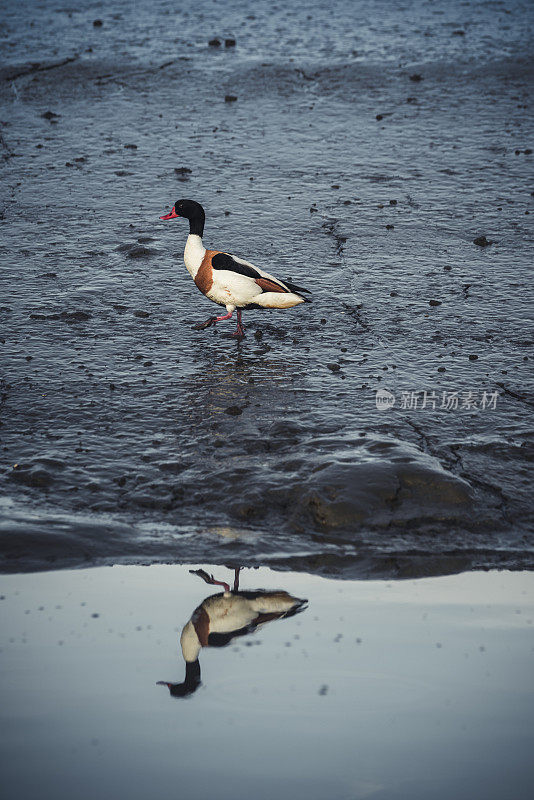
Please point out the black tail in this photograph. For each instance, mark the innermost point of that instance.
(298, 290)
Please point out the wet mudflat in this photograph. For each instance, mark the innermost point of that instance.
(368, 148)
(407, 689)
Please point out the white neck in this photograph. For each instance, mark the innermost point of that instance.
(189, 639)
(194, 253)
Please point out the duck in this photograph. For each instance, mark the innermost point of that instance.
(226, 279)
(222, 617)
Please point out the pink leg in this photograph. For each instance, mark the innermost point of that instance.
(209, 578)
(240, 332)
(211, 321)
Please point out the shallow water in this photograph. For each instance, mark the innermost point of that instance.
(411, 689)
(116, 436)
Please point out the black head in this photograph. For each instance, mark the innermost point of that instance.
(191, 683)
(192, 211)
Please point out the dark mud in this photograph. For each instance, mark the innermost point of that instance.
(370, 152)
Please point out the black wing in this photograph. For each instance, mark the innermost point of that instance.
(224, 261)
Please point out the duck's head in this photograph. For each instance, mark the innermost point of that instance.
(189, 209)
(191, 683)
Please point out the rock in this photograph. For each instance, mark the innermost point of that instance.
(130, 147)
(138, 251)
(183, 171)
(379, 117)
(233, 411)
(141, 314)
(229, 42)
(393, 202)
(214, 42)
(230, 98)
(481, 241)
(73, 316)
(390, 227)
(50, 115)
(434, 302)
(458, 33)
(31, 476)
(334, 367)
(416, 77)
(381, 481)
(97, 23)
(67, 316)
(473, 357)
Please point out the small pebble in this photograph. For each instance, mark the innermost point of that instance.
(233, 411)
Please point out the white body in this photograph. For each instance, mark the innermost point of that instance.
(231, 289)
(230, 612)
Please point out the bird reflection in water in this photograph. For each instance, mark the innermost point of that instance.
(221, 618)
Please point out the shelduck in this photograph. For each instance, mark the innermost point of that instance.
(226, 279)
(220, 618)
